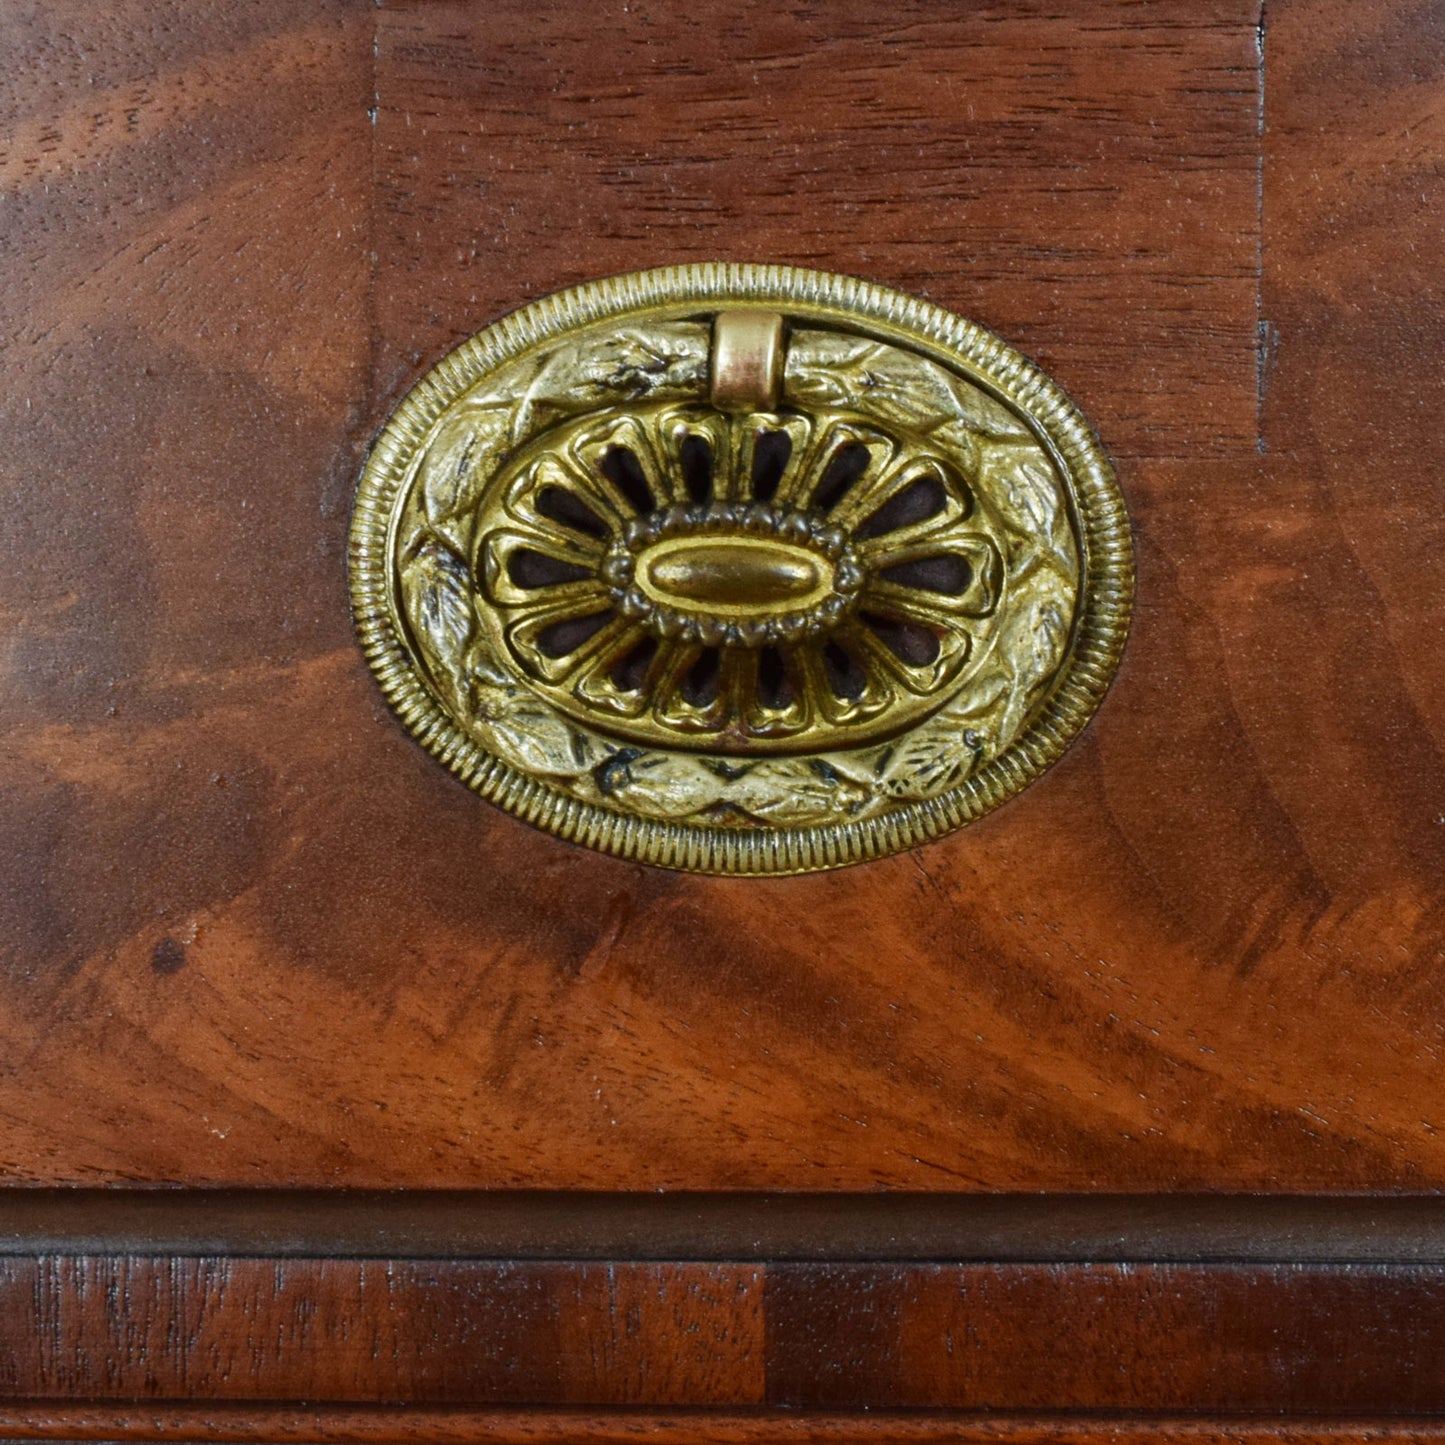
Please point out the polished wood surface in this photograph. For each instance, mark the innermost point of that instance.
(267, 1425)
(251, 935)
(1260, 1339)
(646, 1302)
(1086, 184)
(729, 1228)
(265, 940)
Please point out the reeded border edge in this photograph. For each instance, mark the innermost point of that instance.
(1100, 629)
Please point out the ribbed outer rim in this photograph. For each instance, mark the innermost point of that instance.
(1100, 628)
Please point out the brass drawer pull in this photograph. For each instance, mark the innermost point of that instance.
(740, 569)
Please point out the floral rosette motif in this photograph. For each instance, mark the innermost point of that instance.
(737, 582)
(838, 617)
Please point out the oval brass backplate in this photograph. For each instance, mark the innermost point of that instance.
(740, 569)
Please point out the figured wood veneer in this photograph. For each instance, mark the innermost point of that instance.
(250, 935)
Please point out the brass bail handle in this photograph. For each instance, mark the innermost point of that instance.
(745, 368)
(740, 569)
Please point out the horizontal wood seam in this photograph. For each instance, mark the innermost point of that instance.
(382, 1425)
(873, 1228)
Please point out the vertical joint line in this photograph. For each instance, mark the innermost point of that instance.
(373, 112)
(1262, 344)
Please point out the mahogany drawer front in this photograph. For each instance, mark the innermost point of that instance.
(251, 937)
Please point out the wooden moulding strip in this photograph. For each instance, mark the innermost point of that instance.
(287, 1425)
(841, 1228)
(493, 1317)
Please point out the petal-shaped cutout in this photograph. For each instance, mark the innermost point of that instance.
(938, 582)
(516, 565)
(624, 461)
(770, 452)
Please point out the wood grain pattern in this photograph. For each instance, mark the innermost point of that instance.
(1250, 1339)
(265, 1425)
(380, 1330)
(251, 935)
(715, 1303)
(1085, 184)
